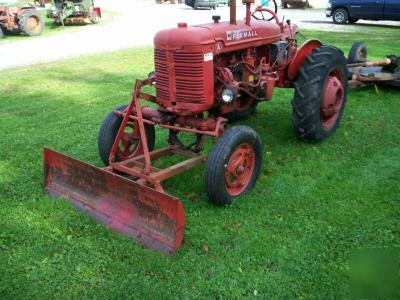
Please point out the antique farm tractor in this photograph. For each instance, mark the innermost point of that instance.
(205, 76)
(20, 17)
(74, 12)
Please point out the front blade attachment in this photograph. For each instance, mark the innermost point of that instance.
(154, 219)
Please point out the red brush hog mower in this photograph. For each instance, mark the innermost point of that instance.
(205, 76)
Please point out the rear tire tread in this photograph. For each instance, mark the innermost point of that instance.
(307, 98)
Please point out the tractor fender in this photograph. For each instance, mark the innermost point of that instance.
(304, 51)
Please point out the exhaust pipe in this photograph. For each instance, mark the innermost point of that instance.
(233, 12)
(248, 11)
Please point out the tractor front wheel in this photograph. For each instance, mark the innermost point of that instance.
(233, 165)
(130, 144)
(320, 94)
(31, 22)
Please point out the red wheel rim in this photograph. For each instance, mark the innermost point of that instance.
(362, 54)
(332, 99)
(239, 169)
(130, 144)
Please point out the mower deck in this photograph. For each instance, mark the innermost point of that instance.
(372, 73)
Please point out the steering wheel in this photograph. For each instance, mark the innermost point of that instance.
(271, 8)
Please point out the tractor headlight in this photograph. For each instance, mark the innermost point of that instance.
(228, 95)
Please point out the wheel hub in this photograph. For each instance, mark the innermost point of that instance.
(239, 169)
(33, 24)
(339, 17)
(129, 145)
(332, 101)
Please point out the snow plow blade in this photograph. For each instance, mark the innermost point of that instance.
(154, 219)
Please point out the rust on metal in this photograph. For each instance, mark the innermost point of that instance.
(155, 220)
(374, 72)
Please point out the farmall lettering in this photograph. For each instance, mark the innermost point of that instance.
(237, 35)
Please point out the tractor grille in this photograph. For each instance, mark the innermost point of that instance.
(180, 76)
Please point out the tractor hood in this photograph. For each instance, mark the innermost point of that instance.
(228, 34)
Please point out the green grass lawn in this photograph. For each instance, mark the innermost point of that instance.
(290, 238)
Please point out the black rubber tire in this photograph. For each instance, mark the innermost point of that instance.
(353, 20)
(94, 18)
(24, 20)
(1, 33)
(358, 53)
(238, 115)
(340, 16)
(219, 157)
(108, 132)
(308, 93)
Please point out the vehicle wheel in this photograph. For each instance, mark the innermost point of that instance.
(358, 53)
(353, 20)
(340, 16)
(1, 33)
(94, 18)
(195, 6)
(214, 7)
(243, 112)
(233, 165)
(320, 94)
(130, 145)
(31, 22)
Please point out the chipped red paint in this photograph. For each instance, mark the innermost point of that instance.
(304, 51)
(332, 99)
(156, 220)
(240, 169)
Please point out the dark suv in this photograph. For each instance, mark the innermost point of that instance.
(343, 11)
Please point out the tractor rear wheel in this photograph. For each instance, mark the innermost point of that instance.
(320, 94)
(243, 112)
(358, 53)
(130, 145)
(31, 22)
(233, 165)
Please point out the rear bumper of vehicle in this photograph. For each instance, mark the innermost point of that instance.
(328, 13)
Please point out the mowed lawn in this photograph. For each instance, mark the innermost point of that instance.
(314, 204)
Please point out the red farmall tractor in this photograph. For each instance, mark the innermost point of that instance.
(20, 17)
(205, 76)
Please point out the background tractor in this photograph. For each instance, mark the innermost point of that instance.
(20, 17)
(74, 12)
(205, 77)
